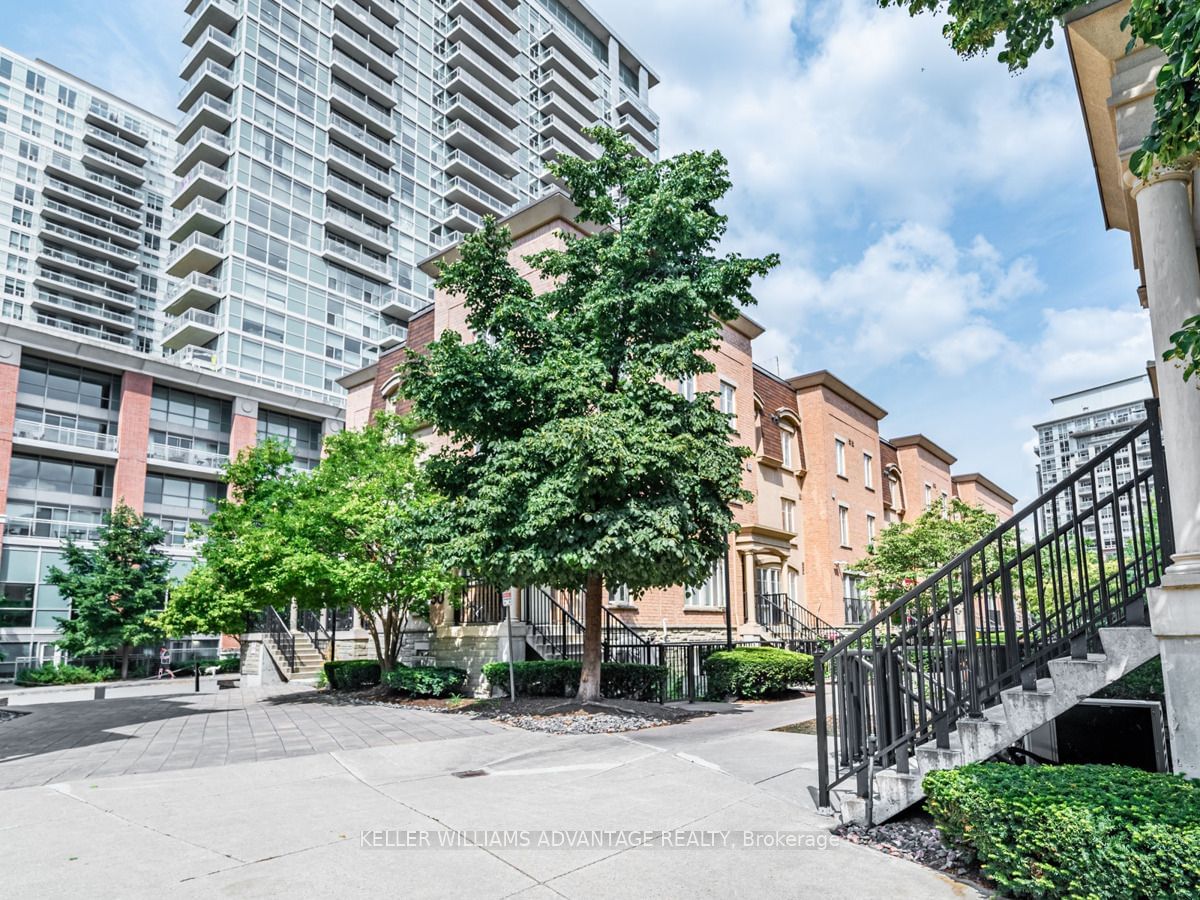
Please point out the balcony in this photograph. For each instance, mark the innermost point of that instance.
(195, 358)
(196, 291)
(633, 105)
(212, 44)
(86, 331)
(60, 436)
(111, 164)
(377, 178)
(552, 59)
(114, 143)
(554, 104)
(199, 253)
(207, 112)
(496, 29)
(462, 136)
(634, 128)
(555, 127)
(459, 218)
(88, 290)
(349, 194)
(185, 456)
(60, 529)
(192, 327)
(70, 213)
(459, 106)
(75, 173)
(393, 335)
(367, 24)
(554, 82)
(202, 181)
(466, 57)
(400, 304)
(201, 214)
(459, 190)
(210, 77)
(346, 101)
(460, 81)
(115, 253)
(222, 15)
(354, 45)
(363, 79)
(499, 10)
(460, 163)
(100, 113)
(361, 230)
(206, 146)
(502, 56)
(361, 139)
(353, 258)
(100, 315)
(73, 262)
(556, 37)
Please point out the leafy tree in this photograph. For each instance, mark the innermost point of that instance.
(353, 532)
(116, 588)
(1026, 26)
(571, 461)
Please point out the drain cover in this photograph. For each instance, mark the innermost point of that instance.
(469, 773)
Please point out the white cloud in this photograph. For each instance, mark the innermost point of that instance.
(1086, 346)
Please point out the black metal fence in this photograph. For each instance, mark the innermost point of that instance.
(1077, 559)
(277, 631)
(480, 604)
(794, 626)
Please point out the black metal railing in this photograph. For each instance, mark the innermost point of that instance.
(316, 625)
(278, 632)
(557, 620)
(480, 604)
(794, 626)
(1037, 588)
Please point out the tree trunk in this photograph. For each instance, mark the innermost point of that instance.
(125, 648)
(589, 677)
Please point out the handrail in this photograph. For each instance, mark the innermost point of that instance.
(1036, 588)
(281, 635)
(790, 622)
(312, 624)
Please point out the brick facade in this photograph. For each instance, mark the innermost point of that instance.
(10, 373)
(133, 439)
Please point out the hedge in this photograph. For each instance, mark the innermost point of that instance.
(64, 674)
(426, 681)
(1073, 831)
(752, 672)
(560, 678)
(349, 674)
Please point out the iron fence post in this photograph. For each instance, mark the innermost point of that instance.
(822, 734)
(974, 710)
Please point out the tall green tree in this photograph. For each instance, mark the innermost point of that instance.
(355, 532)
(572, 462)
(1023, 27)
(116, 588)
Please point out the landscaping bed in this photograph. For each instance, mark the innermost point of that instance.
(915, 837)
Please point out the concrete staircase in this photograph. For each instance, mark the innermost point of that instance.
(1018, 713)
(308, 658)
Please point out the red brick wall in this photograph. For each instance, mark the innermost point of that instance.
(133, 436)
(9, 373)
(420, 336)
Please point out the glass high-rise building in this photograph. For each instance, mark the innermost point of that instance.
(326, 147)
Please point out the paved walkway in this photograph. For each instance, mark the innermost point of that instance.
(65, 741)
(350, 822)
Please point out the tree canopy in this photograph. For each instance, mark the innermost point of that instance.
(116, 588)
(572, 460)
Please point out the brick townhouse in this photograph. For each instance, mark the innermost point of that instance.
(824, 482)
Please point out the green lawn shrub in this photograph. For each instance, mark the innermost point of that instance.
(64, 674)
(560, 678)
(1073, 831)
(753, 672)
(352, 674)
(426, 681)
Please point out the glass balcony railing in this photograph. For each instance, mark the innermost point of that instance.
(78, 237)
(71, 437)
(87, 287)
(355, 192)
(188, 456)
(359, 134)
(107, 225)
(129, 279)
(84, 330)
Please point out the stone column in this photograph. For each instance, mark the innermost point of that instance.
(328, 427)
(1168, 244)
(10, 373)
(749, 588)
(133, 439)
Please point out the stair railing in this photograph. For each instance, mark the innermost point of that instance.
(561, 631)
(277, 630)
(793, 624)
(1078, 558)
(313, 624)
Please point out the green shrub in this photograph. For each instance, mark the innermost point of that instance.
(752, 672)
(560, 678)
(1073, 831)
(64, 674)
(426, 681)
(351, 674)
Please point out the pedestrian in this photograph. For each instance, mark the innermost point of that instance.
(164, 663)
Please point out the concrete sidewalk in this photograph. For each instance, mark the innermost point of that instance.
(311, 825)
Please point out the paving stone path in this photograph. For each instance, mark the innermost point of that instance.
(69, 741)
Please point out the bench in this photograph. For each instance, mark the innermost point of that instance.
(229, 680)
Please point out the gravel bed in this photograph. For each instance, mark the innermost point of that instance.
(916, 838)
(579, 723)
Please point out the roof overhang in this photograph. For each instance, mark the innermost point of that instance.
(924, 443)
(986, 483)
(826, 379)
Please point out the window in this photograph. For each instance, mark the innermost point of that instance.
(928, 495)
(785, 445)
(857, 605)
(844, 525)
(729, 401)
(618, 595)
(35, 82)
(767, 581)
(687, 387)
(23, 194)
(793, 584)
(183, 493)
(66, 96)
(788, 508)
(868, 471)
(894, 486)
(712, 592)
(870, 528)
(839, 455)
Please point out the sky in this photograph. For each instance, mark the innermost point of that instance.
(943, 248)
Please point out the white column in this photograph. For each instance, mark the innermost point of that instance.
(1168, 243)
(614, 71)
(643, 83)
(748, 586)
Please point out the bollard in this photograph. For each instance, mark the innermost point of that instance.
(98, 693)
(196, 669)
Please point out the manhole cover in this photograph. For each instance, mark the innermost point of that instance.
(469, 773)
